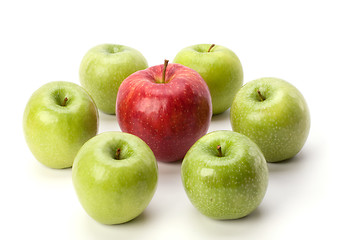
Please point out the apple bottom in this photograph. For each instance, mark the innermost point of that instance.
(174, 151)
(169, 134)
(168, 148)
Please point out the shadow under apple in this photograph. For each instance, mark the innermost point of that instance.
(224, 116)
(291, 164)
(108, 122)
(48, 176)
(102, 231)
(243, 227)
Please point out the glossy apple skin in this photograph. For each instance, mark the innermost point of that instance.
(55, 133)
(227, 187)
(114, 191)
(104, 67)
(279, 125)
(220, 68)
(168, 116)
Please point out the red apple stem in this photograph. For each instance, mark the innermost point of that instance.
(117, 155)
(262, 98)
(212, 45)
(219, 151)
(166, 62)
(64, 102)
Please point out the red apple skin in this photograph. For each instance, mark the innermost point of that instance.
(170, 117)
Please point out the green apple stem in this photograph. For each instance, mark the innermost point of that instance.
(262, 98)
(64, 102)
(117, 154)
(212, 45)
(164, 70)
(219, 151)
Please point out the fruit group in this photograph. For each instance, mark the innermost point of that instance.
(219, 67)
(274, 114)
(225, 175)
(167, 106)
(115, 176)
(104, 67)
(58, 119)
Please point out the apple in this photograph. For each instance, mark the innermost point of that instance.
(58, 119)
(225, 175)
(115, 177)
(104, 67)
(168, 106)
(219, 67)
(274, 114)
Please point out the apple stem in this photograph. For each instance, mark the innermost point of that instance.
(164, 70)
(117, 155)
(262, 98)
(64, 102)
(219, 150)
(212, 45)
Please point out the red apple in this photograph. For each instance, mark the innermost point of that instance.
(168, 106)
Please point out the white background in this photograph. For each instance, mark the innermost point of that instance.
(312, 44)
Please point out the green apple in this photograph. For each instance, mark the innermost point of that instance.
(115, 176)
(58, 119)
(104, 67)
(219, 67)
(225, 175)
(274, 114)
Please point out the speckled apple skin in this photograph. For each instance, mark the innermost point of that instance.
(104, 68)
(55, 133)
(227, 187)
(170, 117)
(279, 125)
(220, 68)
(115, 191)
